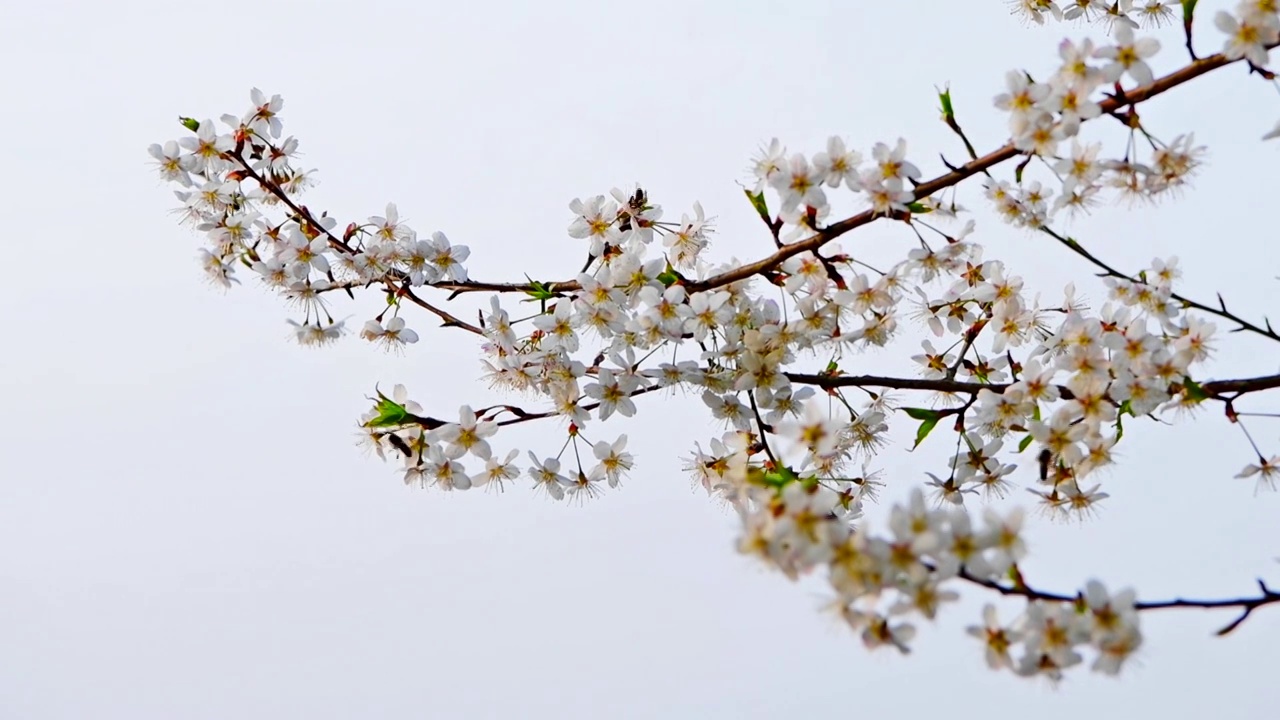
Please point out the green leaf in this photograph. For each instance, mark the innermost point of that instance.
(189, 123)
(1119, 426)
(540, 291)
(832, 367)
(948, 111)
(771, 478)
(1194, 391)
(757, 202)
(390, 413)
(926, 427)
(919, 208)
(1188, 11)
(922, 413)
(668, 276)
(1025, 443)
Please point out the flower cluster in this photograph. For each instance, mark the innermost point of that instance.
(1114, 14)
(650, 312)
(1044, 115)
(880, 581)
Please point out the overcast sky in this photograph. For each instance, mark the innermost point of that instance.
(188, 530)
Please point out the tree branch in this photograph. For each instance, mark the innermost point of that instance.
(1221, 311)
(1246, 605)
(1215, 389)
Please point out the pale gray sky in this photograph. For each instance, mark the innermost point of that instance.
(187, 529)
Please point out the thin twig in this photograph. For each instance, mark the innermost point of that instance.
(1221, 311)
(1246, 605)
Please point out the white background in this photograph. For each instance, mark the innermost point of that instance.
(187, 529)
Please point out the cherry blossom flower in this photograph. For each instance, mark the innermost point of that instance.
(799, 183)
(1248, 36)
(469, 433)
(393, 335)
(1128, 55)
(1022, 99)
(997, 639)
(1267, 470)
(264, 118)
(614, 461)
(1035, 10)
(547, 477)
(614, 394)
(172, 164)
(892, 164)
(207, 149)
(1155, 13)
(838, 165)
(443, 471)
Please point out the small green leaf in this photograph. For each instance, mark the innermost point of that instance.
(771, 478)
(757, 202)
(190, 123)
(948, 112)
(832, 367)
(1194, 391)
(1025, 443)
(390, 413)
(540, 291)
(926, 427)
(1015, 576)
(668, 277)
(917, 208)
(922, 413)
(1119, 426)
(1188, 11)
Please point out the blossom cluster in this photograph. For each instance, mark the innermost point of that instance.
(882, 581)
(651, 312)
(1044, 115)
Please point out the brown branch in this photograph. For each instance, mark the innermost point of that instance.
(1242, 386)
(1215, 389)
(299, 210)
(894, 383)
(468, 286)
(526, 417)
(449, 319)
(1246, 606)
